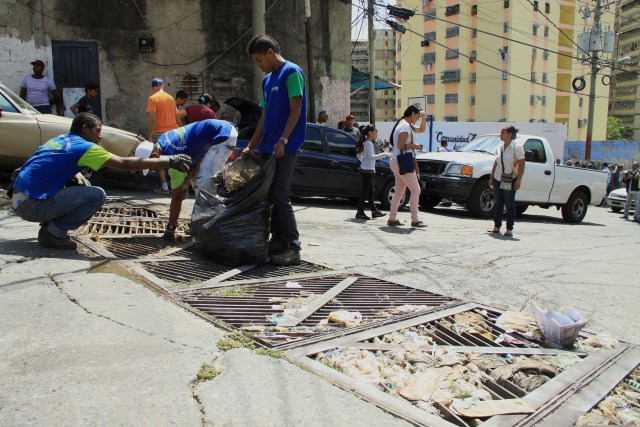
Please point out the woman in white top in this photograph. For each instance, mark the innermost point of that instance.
(505, 179)
(402, 139)
(367, 155)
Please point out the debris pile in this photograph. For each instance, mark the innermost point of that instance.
(620, 407)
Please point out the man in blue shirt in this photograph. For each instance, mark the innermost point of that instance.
(41, 192)
(280, 130)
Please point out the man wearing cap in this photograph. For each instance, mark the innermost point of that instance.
(350, 128)
(50, 188)
(35, 89)
(208, 143)
(161, 110)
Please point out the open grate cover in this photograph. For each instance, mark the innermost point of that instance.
(290, 312)
(123, 219)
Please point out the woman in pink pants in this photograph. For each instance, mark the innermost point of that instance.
(402, 139)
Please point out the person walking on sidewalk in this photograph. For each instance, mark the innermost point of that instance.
(632, 178)
(366, 154)
(203, 142)
(44, 191)
(506, 178)
(161, 111)
(402, 139)
(280, 130)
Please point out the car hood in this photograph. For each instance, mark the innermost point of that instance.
(456, 156)
(620, 192)
(66, 122)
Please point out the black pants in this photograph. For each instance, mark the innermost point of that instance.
(283, 221)
(366, 192)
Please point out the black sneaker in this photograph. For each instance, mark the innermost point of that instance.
(169, 236)
(378, 214)
(288, 257)
(48, 240)
(276, 246)
(362, 215)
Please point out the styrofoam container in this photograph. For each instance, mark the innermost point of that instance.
(560, 327)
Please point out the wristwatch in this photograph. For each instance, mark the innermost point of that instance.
(282, 138)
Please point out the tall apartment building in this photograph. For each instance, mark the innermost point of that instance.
(624, 101)
(498, 61)
(385, 57)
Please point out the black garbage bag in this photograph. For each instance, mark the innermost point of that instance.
(232, 225)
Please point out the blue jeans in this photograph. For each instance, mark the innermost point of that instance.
(504, 198)
(70, 208)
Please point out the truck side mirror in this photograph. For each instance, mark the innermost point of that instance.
(529, 156)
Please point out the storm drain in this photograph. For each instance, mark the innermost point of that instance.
(294, 311)
(122, 219)
(442, 369)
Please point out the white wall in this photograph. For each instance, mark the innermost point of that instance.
(16, 57)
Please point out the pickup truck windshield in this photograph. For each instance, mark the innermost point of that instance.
(484, 144)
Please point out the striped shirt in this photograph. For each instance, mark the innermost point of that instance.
(37, 90)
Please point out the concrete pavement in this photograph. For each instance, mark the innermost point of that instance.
(80, 347)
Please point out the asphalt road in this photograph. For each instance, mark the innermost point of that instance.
(87, 346)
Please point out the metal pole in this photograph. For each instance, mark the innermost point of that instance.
(310, 90)
(592, 90)
(372, 66)
(257, 17)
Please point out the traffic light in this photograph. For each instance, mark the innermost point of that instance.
(396, 26)
(400, 12)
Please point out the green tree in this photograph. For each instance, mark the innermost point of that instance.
(615, 130)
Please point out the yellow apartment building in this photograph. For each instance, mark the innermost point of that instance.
(504, 60)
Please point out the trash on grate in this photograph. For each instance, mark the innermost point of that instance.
(559, 327)
(403, 309)
(597, 342)
(294, 285)
(620, 407)
(345, 318)
(473, 407)
(522, 323)
(472, 323)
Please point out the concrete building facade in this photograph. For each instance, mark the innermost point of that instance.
(195, 45)
(624, 102)
(498, 61)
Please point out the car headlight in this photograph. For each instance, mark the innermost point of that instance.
(458, 169)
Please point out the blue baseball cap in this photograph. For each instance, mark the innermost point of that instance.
(157, 82)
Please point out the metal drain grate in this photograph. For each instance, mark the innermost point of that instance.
(287, 312)
(123, 219)
(131, 246)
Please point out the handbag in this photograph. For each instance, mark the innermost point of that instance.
(405, 163)
(507, 180)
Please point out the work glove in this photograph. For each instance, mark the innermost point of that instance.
(180, 162)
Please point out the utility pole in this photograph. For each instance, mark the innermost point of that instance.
(311, 92)
(592, 82)
(257, 18)
(372, 66)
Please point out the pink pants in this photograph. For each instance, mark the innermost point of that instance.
(408, 180)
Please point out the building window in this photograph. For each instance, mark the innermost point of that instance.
(545, 78)
(452, 32)
(474, 33)
(450, 98)
(452, 10)
(546, 31)
(472, 77)
(429, 15)
(535, 29)
(452, 54)
(532, 100)
(506, 4)
(474, 55)
(473, 100)
(580, 102)
(474, 10)
(429, 79)
(430, 36)
(505, 75)
(547, 8)
(504, 100)
(544, 100)
(431, 99)
(545, 55)
(535, 5)
(450, 76)
(450, 118)
(534, 52)
(505, 27)
(533, 76)
(429, 58)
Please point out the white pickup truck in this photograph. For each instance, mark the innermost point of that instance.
(463, 177)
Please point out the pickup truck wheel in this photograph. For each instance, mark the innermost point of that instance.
(481, 202)
(520, 209)
(429, 202)
(387, 193)
(576, 208)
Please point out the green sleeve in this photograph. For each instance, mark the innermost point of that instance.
(262, 102)
(295, 85)
(95, 157)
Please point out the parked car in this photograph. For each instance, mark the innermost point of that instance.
(23, 129)
(463, 177)
(327, 166)
(617, 199)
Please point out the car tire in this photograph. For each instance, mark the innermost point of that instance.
(430, 202)
(520, 209)
(388, 190)
(616, 210)
(576, 208)
(481, 203)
